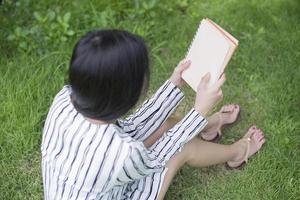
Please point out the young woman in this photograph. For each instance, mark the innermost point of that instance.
(88, 152)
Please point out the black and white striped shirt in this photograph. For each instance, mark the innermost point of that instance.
(83, 160)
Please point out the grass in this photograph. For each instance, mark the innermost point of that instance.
(263, 77)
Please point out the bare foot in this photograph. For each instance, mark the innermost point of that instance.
(247, 146)
(227, 115)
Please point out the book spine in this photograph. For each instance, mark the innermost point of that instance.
(189, 48)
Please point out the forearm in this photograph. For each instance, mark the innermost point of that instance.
(170, 123)
(174, 139)
(153, 113)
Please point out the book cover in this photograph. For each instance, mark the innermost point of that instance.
(210, 51)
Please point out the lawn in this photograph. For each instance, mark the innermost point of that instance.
(36, 39)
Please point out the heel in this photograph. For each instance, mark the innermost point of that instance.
(239, 164)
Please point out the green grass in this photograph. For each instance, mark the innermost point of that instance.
(263, 77)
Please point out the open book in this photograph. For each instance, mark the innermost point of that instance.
(210, 51)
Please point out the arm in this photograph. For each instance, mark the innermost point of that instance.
(174, 139)
(141, 161)
(153, 112)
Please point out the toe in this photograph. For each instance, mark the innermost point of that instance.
(228, 108)
(250, 132)
(236, 107)
(261, 142)
(255, 140)
(260, 137)
(256, 136)
(260, 132)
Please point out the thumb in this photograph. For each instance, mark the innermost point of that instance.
(205, 79)
(185, 65)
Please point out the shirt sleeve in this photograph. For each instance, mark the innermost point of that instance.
(153, 112)
(174, 139)
(141, 161)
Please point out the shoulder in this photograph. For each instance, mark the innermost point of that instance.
(61, 99)
(63, 93)
(125, 138)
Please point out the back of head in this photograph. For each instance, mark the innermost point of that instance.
(108, 70)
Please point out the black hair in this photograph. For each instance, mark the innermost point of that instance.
(109, 69)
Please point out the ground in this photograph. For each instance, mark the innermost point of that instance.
(37, 38)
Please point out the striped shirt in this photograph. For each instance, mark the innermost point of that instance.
(84, 160)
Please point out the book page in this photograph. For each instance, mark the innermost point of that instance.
(228, 35)
(207, 53)
(232, 40)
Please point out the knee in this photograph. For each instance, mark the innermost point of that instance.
(190, 151)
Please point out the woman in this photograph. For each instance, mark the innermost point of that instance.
(88, 152)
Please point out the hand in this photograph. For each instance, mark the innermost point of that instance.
(176, 76)
(207, 96)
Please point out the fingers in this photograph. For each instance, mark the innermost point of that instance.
(220, 94)
(205, 79)
(221, 81)
(183, 65)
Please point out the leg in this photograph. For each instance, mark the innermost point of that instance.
(196, 153)
(213, 121)
(199, 153)
(212, 125)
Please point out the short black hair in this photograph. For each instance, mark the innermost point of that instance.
(108, 72)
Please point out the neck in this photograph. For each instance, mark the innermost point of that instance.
(94, 121)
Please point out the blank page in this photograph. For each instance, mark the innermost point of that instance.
(207, 53)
